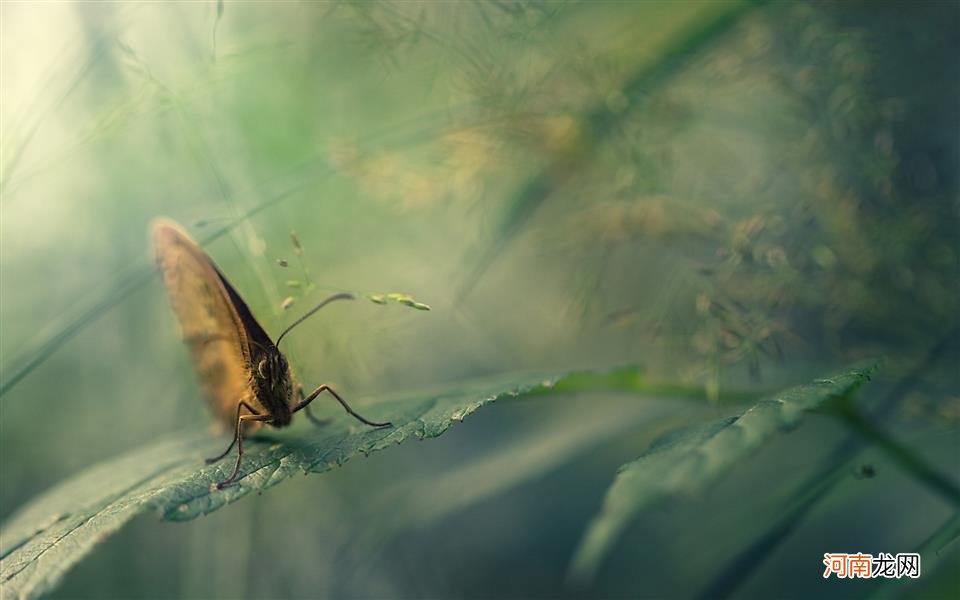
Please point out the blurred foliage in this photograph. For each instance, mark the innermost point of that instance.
(735, 195)
(685, 462)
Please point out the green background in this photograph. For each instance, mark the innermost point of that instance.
(734, 197)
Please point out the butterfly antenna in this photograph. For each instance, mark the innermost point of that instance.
(342, 296)
(258, 345)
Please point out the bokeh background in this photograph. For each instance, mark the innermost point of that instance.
(734, 196)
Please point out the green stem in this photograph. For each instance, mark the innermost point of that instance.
(830, 474)
(901, 454)
(630, 379)
(930, 551)
(733, 574)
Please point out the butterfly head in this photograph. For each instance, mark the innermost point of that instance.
(272, 379)
(273, 384)
(272, 368)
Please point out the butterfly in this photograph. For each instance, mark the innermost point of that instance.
(245, 375)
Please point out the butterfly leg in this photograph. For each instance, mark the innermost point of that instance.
(239, 440)
(316, 421)
(326, 388)
(240, 405)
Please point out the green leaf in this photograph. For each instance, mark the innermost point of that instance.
(687, 461)
(50, 535)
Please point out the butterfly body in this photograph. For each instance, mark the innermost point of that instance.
(235, 357)
(247, 379)
(274, 388)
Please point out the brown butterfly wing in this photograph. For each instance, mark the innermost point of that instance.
(257, 339)
(211, 325)
(258, 343)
